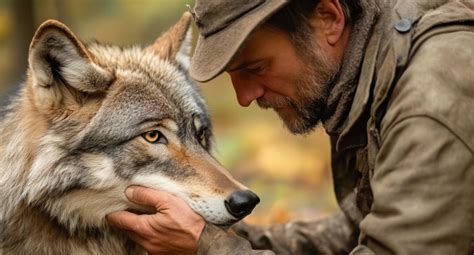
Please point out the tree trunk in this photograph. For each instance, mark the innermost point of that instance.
(24, 24)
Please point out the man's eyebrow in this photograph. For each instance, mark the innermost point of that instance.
(244, 64)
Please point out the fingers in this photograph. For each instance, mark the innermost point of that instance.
(126, 221)
(139, 240)
(136, 238)
(141, 195)
(174, 229)
(148, 197)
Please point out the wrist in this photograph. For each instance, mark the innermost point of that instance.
(209, 234)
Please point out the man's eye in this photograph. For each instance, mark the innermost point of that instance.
(255, 70)
(155, 136)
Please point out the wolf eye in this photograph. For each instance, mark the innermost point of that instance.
(155, 136)
(202, 134)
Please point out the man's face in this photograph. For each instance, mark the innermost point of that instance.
(292, 81)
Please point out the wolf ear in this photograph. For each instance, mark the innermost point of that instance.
(175, 44)
(57, 56)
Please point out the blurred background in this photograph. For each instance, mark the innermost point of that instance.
(291, 174)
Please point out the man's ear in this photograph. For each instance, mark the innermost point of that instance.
(57, 55)
(329, 20)
(175, 44)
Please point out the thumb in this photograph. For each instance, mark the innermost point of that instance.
(147, 196)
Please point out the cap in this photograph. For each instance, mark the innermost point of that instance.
(224, 25)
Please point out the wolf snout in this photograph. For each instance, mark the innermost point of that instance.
(241, 203)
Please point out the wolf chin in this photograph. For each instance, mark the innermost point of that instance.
(92, 120)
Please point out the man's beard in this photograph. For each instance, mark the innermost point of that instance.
(313, 85)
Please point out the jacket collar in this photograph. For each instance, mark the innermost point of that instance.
(341, 96)
(362, 95)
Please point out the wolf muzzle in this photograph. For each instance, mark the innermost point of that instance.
(241, 203)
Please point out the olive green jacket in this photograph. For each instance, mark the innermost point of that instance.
(403, 164)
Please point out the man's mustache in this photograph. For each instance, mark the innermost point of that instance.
(274, 102)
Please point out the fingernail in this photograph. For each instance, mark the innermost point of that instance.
(129, 192)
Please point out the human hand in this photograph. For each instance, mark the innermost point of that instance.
(174, 229)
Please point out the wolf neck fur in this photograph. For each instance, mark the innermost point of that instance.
(18, 145)
(19, 148)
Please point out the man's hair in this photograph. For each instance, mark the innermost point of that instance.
(298, 12)
(294, 19)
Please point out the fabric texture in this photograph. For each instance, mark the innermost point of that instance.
(402, 146)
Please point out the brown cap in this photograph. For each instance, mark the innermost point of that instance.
(224, 26)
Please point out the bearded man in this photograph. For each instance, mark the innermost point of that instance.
(392, 83)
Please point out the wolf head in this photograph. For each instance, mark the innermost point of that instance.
(108, 117)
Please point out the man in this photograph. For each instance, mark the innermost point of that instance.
(392, 83)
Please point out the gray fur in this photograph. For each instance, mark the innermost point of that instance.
(72, 142)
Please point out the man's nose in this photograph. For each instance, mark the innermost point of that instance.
(247, 91)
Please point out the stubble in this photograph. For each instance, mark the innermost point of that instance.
(313, 85)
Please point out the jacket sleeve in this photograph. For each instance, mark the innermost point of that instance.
(328, 236)
(423, 189)
(216, 241)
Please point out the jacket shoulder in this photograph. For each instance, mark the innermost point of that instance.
(438, 83)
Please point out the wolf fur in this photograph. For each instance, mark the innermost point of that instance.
(73, 140)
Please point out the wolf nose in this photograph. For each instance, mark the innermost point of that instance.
(241, 203)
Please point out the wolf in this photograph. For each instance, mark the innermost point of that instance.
(92, 119)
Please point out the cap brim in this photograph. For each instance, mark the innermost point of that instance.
(213, 53)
